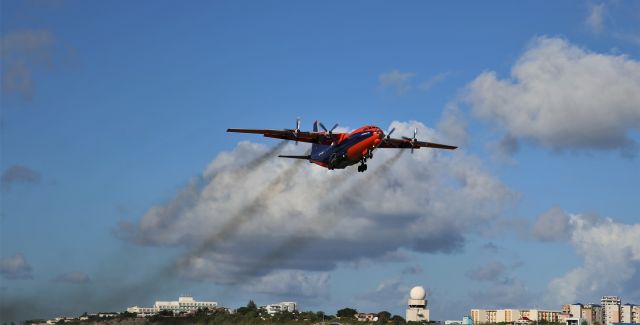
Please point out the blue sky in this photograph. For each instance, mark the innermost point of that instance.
(111, 110)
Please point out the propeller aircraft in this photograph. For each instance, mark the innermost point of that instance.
(340, 150)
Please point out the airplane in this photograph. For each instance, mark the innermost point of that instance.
(340, 150)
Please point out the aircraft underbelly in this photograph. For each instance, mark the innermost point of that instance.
(347, 154)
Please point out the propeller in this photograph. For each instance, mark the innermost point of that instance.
(295, 131)
(412, 140)
(388, 136)
(329, 132)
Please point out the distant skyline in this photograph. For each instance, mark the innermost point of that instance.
(120, 186)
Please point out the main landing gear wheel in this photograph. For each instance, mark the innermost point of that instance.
(362, 168)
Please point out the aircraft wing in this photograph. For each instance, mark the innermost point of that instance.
(408, 144)
(302, 136)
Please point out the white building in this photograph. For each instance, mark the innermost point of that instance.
(184, 304)
(611, 309)
(480, 316)
(417, 310)
(273, 309)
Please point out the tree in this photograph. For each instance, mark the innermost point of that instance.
(398, 319)
(346, 312)
(250, 310)
(384, 316)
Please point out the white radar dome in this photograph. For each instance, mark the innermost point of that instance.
(418, 293)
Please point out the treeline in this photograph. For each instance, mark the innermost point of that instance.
(247, 315)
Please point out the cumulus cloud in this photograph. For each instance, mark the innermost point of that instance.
(453, 125)
(19, 174)
(72, 277)
(281, 215)
(15, 267)
(611, 261)
(22, 51)
(440, 77)
(552, 225)
(564, 97)
(595, 19)
(397, 81)
(493, 271)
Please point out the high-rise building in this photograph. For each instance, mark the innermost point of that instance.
(611, 309)
(417, 310)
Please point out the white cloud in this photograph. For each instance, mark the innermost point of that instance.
(453, 125)
(242, 223)
(397, 81)
(15, 267)
(595, 19)
(427, 85)
(552, 225)
(611, 254)
(564, 97)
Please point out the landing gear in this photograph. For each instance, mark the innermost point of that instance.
(332, 161)
(363, 166)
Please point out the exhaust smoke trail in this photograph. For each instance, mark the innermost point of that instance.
(295, 244)
(26, 305)
(244, 215)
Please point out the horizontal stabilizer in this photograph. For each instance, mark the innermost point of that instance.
(295, 157)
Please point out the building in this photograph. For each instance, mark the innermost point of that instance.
(593, 314)
(575, 321)
(184, 304)
(629, 313)
(417, 305)
(611, 309)
(363, 317)
(576, 310)
(273, 309)
(466, 320)
(590, 313)
(480, 316)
